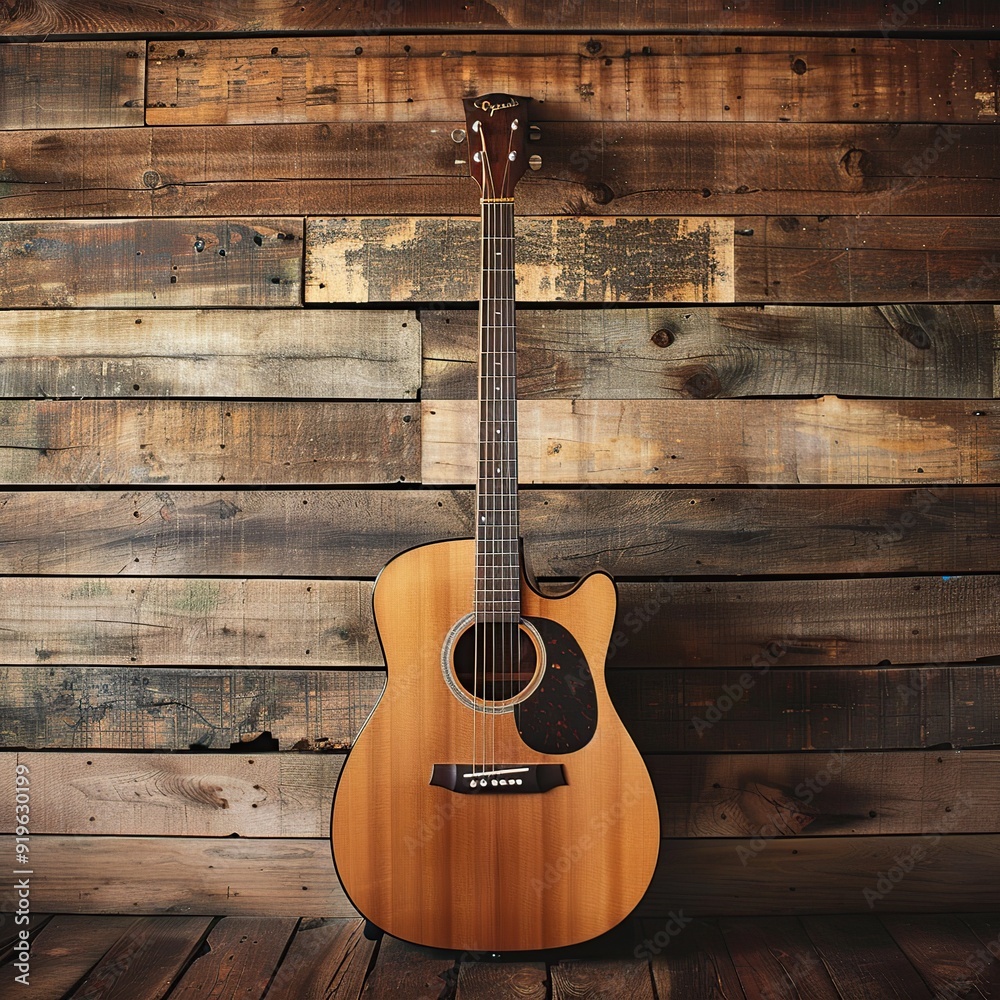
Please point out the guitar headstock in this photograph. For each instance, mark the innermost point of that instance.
(497, 128)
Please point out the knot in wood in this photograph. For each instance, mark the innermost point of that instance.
(593, 46)
(799, 66)
(854, 163)
(601, 193)
(151, 179)
(703, 383)
(916, 335)
(663, 337)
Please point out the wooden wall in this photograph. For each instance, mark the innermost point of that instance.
(759, 365)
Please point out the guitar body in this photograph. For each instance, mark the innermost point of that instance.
(494, 870)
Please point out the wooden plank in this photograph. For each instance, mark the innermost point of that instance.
(243, 954)
(612, 77)
(150, 263)
(359, 259)
(202, 442)
(689, 959)
(825, 441)
(146, 960)
(628, 532)
(200, 795)
(192, 876)
(67, 947)
(72, 84)
(10, 933)
(826, 794)
(174, 621)
(774, 957)
(755, 624)
(699, 876)
(726, 351)
(246, 352)
(863, 960)
(150, 708)
(801, 875)
(881, 259)
(405, 970)
(827, 709)
(417, 168)
(601, 979)
(700, 795)
(90, 17)
(518, 980)
(327, 958)
(947, 954)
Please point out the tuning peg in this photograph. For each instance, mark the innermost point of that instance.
(535, 161)
(534, 133)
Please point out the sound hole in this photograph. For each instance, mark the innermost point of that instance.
(494, 661)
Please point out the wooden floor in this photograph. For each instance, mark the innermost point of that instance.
(926, 957)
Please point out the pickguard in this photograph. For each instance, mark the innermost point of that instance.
(561, 715)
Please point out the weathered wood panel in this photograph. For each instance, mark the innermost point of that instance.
(146, 960)
(152, 708)
(628, 532)
(71, 84)
(863, 959)
(240, 959)
(200, 442)
(809, 709)
(949, 956)
(67, 948)
(877, 259)
(174, 621)
(361, 259)
(245, 352)
(295, 876)
(150, 263)
(326, 958)
(776, 950)
(187, 795)
(601, 979)
(298, 622)
(614, 77)
(521, 979)
(700, 795)
(828, 441)
(249, 16)
(416, 168)
(406, 970)
(727, 351)
(133, 708)
(697, 965)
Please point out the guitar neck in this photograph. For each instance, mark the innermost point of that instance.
(498, 570)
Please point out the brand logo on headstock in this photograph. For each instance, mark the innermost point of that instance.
(484, 105)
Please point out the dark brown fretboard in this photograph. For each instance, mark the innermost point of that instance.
(498, 572)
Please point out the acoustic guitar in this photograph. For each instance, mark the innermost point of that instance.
(493, 800)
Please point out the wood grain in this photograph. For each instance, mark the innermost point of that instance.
(145, 961)
(68, 946)
(518, 980)
(188, 795)
(828, 709)
(150, 263)
(209, 621)
(601, 979)
(182, 442)
(774, 954)
(863, 960)
(613, 77)
(404, 970)
(726, 351)
(89, 16)
(628, 532)
(71, 84)
(825, 441)
(327, 958)
(689, 959)
(243, 953)
(949, 956)
(152, 708)
(360, 259)
(150, 875)
(242, 352)
(417, 168)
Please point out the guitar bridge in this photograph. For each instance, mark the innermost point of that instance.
(498, 779)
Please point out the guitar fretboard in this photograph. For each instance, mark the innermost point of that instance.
(498, 571)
